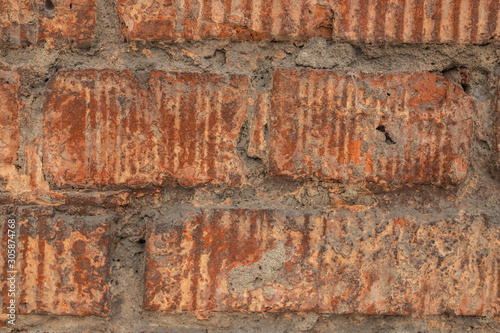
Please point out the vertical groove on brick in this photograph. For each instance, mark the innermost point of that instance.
(9, 122)
(496, 128)
(270, 261)
(417, 21)
(185, 126)
(28, 22)
(240, 19)
(62, 263)
(336, 137)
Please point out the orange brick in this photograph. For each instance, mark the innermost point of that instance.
(342, 263)
(9, 121)
(417, 21)
(62, 263)
(382, 128)
(238, 20)
(55, 21)
(497, 129)
(259, 127)
(102, 128)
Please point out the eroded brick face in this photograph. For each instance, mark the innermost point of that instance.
(271, 261)
(9, 122)
(373, 21)
(238, 20)
(102, 128)
(58, 22)
(497, 129)
(62, 262)
(381, 128)
(417, 21)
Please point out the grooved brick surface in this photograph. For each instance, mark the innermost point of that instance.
(417, 21)
(259, 127)
(497, 129)
(9, 122)
(239, 20)
(382, 128)
(55, 21)
(342, 262)
(103, 128)
(62, 262)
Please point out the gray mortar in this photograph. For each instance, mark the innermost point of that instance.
(317, 53)
(479, 193)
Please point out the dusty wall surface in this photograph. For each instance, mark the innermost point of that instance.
(250, 166)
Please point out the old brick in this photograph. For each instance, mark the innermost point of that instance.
(62, 263)
(20, 179)
(9, 121)
(342, 262)
(382, 128)
(102, 128)
(497, 129)
(259, 123)
(417, 21)
(55, 21)
(238, 20)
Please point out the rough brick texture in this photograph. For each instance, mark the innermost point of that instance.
(58, 22)
(101, 128)
(202, 166)
(9, 121)
(497, 128)
(271, 261)
(373, 21)
(354, 127)
(62, 263)
(417, 21)
(240, 20)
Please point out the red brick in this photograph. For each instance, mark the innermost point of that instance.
(62, 263)
(102, 128)
(497, 129)
(259, 126)
(324, 125)
(238, 20)
(342, 262)
(417, 21)
(28, 22)
(9, 121)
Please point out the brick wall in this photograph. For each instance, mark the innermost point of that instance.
(250, 165)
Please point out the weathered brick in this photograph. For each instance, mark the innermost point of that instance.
(20, 179)
(382, 128)
(9, 121)
(417, 21)
(497, 129)
(259, 124)
(102, 128)
(239, 20)
(62, 263)
(55, 21)
(338, 262)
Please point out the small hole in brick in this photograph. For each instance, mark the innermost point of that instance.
(388, 139)
(71, 6)
(49, 5)
(142, 241)
(388, 94)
